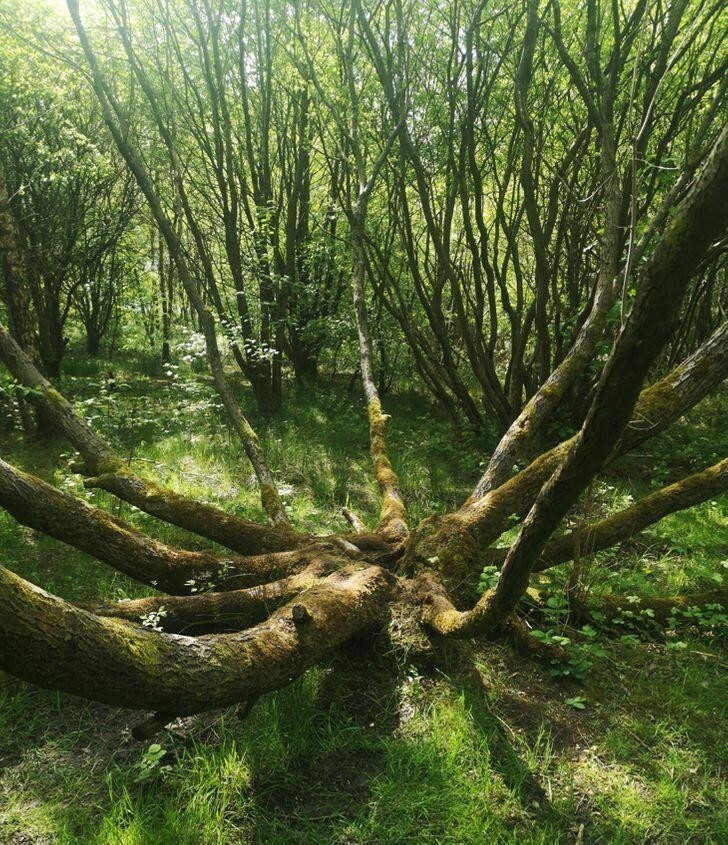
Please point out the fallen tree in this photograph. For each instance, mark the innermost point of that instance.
(287, 599)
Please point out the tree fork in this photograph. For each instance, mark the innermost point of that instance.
(700, 218)
(628, 522)
(462, 539)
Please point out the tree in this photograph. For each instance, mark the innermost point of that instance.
(72, 203)
(324, 591)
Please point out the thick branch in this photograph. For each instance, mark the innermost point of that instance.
(699, 219)
(94, 450)
(48, 641)
(630, 521)
(208, 612)
(44, 508)
(231, 531)
(460, 541)
(626, 523)
(114, 475)
(393, 514)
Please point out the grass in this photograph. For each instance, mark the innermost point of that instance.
(484, 746)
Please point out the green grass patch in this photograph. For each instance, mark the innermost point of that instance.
(487, 748)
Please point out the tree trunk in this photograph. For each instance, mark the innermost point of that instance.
(22, 324)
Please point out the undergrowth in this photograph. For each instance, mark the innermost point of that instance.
(622, 744)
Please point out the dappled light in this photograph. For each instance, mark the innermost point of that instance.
(362, 461)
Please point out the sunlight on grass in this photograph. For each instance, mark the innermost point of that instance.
(381, 753)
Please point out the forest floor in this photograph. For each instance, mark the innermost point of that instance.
(480, 746)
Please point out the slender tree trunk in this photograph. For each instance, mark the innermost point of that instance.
(22, 324)
(111, 109)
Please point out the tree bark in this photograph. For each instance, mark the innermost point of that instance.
(48, 641)
(42, 507)
(627, 523)
(111, 473)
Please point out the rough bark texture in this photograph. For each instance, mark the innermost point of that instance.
(393, 514)
(311, 595)
(38, 505)
(231, 531)
(459, 542)
(50, 642)
(111, 473)
(547, 398)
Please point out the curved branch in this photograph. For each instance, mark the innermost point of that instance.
(626, 523)
(461, 540)
(113, 474)
(393, 513)
(229, 530)
(700, 218)
(42, 507)
(48, 641)
(210, 612)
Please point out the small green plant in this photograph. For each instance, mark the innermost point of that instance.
(710, 617)
(578, 702)
(581, 656)
(154, 618)
(203, 585)
(635, 621)
(151, 766)
(488, 579)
